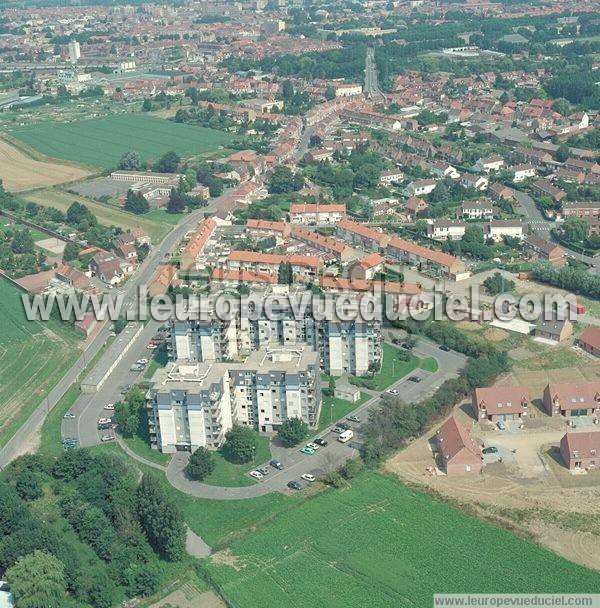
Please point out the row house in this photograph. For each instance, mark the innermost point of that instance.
(302, 265)
(584, 209)
(195, 246)
(410, 253)
(533, 156)
(316, 214)
(489, 163)
(477, 182)
(421, 187)
(541, 249)
(544, 187)
(585, 166)
(569, 176)
(359, 235)
(522, 172)
(339, 250)
(266, 228)
(392, 176)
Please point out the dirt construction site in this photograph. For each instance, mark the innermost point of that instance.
(524, 485)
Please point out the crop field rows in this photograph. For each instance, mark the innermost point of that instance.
(32, 360)
(381, 544)
(101, 142)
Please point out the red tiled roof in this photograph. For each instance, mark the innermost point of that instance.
(242, 276)
(500, 400)
(273, 258)
(313, 208)
(455, 442)
(318, 239)
(591, 337)
(364, 231)
(443, 259)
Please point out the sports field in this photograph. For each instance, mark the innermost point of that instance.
(100, 142)
(381, 544)
(33, 357)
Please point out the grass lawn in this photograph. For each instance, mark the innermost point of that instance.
(157, 226)
(50, 441)
(383, 545)
(33, 358)
(333, 409)
(140, 444)
(100, 142)
(392, 369)
(231, 475)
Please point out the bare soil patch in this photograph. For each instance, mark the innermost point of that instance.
(20, 172)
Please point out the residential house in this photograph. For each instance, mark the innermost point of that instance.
(443, 170)
(392, 176)
(415, 205)
(542, 249)
(359, 235)
(589, 340)
(477, 182)
(444, 230)
(477, 210)
(498, 229)
(302, 265)
(367, 267)
(489, 163)
(499, 192)
(107, 267)
(421, 187)
(580, 450)
(496, 403)
(522, 172)
(554, 329)
(545, 187)
(339, 250)
(572, 399)
(316, 214)
(459, 453)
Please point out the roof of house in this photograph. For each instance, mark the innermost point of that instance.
(575, 395)
(455, 442)
(253, 224)
(364, 231)
(242, 276)
(438, 257)
(343, 284)
(581, 445)
(200, 237)
(314, 208)
(551, 326)
(238, 255)
(591, 336)
(372, 260)
(318, 239)
(502, 399)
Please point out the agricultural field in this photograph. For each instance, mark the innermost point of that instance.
(19, 171)
(381, 544)
(157, 224)
(33, 358)
(100, 142)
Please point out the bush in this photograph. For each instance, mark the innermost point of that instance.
(292, 431)
(240, 445)
(200, 465)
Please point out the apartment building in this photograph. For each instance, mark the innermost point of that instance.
(302, 265)
(585, 209)
(194, 404)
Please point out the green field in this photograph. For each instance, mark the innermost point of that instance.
(33, 358)
(381, 544)
(333, 409)
(100, 142)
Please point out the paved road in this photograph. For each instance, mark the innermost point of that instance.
(21, 441)
(372, 89)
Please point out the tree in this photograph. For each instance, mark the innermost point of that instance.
(168, 163)
(473, 234)
(127, 420)
(201, 464)
(160, 519)
(284, 180)
(143, 579)
(329, 93)
(285, 276)
(575, 229)
(562, 154)
(70, 252)
(292, 431)
(562, 106)
(287, 89)
(498, 284)
(136, 203)
(147, 105)
(38, 580)
(130, 161)
(22, 242)
(240, 444)
(176, 202)
(28, 485)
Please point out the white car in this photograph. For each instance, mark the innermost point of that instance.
(107, 438)
(314, 446)
(255, 474)
(392, 391)
(109, 406)
(142, 361)
(69, 415)
(104, 421)
(308, 477)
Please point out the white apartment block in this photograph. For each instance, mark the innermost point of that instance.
(497, 229)
(477, 210)
(192, 405)
(446, 229)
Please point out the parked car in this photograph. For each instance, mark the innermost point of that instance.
(104, 426)
(142, 361)
(294, 485)
(353, 418)
(338, 429)
(107, 438)
(415, 379)
(308, 477)
(393, 391)
(255, 474)
(320, 441)
(395, 341)
(276, 464)
(491, 450)
(263, 471)
(343, 425)
(69, 415)
(444, 348)
(407, 346)
(501, 425)
(136, 368)
(151, 346)
(104, 421)
(314, 446)
(307, 450)
(109, 406)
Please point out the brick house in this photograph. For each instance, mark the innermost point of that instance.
(589, 340)
(553, 329)
(542, 249)
(580, 450)
(572, 399)
(458, 451)
(496, 403)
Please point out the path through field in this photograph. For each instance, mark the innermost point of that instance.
(20, 172)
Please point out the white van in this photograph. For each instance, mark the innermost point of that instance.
(346, 436)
